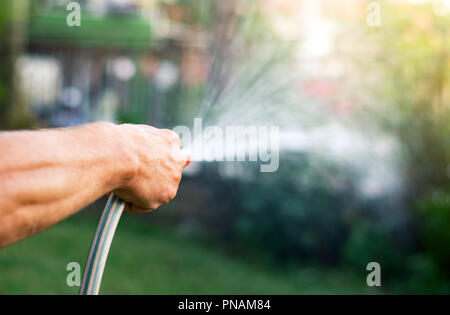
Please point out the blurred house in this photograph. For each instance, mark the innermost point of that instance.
(118, 65)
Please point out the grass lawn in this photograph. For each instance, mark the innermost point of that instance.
(149, 260)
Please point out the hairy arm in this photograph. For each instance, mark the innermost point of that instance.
(47, 175)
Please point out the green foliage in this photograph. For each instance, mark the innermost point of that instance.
(293, 216)
(434, 212)
(373, 242)
(4, 68)
(111, 32)
(408, 63)
(424, 277)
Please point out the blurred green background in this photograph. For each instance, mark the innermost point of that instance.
(364, 117)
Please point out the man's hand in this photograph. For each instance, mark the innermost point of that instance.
(49, 174)
(156, 163)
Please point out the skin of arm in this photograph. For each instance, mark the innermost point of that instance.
(49, 174)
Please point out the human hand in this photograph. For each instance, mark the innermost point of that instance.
(155, 167)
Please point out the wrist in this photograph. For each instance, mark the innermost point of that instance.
(114, 153)
(123, 158)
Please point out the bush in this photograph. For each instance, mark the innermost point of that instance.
(434, 212)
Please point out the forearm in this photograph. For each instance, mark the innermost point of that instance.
(47, 175)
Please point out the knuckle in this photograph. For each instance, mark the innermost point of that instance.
(173, 193)
(173, 154)
(168, 195)
(165, 197)
(172, 136)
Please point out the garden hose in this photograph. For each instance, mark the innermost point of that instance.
(93, 271)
